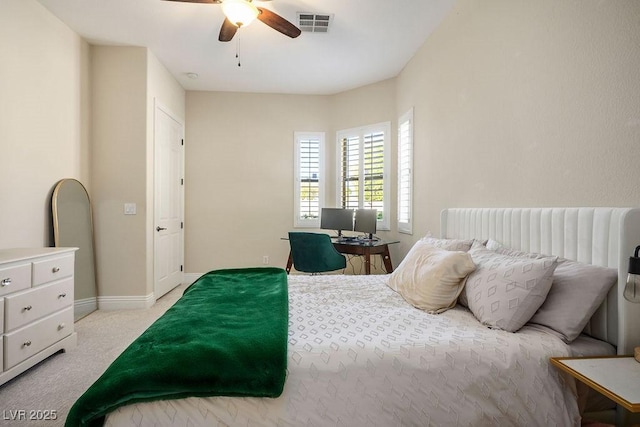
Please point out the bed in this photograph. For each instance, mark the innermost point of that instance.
(359, 355)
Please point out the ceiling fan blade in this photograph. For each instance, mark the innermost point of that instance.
(278, 23)
(227, 31)
(197, 1)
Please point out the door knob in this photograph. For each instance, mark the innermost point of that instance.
(158, 228)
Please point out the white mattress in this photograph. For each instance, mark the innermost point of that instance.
(360, 356)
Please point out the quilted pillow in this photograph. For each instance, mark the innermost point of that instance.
(504, 292)
(577, 291)
(476, 244)
(448, 244)
(431, 278)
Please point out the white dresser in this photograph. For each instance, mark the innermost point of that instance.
(36, 306)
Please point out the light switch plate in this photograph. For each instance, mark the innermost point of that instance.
(129, 208)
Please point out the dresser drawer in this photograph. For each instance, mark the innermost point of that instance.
(35, 303)
(25, 342)
(52, 269)
(15, 278)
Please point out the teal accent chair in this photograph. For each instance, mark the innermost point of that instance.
(314, 253)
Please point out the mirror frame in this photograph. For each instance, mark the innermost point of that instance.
(57, 238)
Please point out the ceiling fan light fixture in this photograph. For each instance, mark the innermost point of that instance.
(240, 12)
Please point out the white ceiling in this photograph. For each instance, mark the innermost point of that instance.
(369, 41)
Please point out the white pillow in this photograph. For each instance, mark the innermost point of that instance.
(493, 245)
(576, 293)
(431, 278)
(448, 244)
(504, 292)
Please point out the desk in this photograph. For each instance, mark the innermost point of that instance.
(361, 248)
(616, 377)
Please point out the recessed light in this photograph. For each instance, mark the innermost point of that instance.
(192, 76)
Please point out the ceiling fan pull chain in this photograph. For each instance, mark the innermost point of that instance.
(238, 50)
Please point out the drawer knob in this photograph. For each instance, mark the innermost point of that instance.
(55, 269)
(26, 343)
(61, 326)
(62, 295)
(6, 282)
(27, 308)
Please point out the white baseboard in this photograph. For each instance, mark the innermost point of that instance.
(136, 302)
(126, 303)
(189, 278)
(82, 307)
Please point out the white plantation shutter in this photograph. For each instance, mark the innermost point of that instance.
(405, 172)
(374, 171)
(309, 180)
(363, 156)
(350, 172)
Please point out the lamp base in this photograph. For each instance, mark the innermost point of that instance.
(636, 354)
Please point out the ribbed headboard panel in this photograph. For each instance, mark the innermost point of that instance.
(600, 236)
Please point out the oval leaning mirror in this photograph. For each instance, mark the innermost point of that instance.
(73, 227)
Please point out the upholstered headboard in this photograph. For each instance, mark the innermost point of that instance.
(600, 236)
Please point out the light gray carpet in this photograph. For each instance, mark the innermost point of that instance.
(57, 382)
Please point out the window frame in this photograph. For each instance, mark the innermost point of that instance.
(405, 161)
(360, 133)
(299, 222)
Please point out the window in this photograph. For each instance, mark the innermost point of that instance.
(309, 180)
(363, 157)
(405, 172)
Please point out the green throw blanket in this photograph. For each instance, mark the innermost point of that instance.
(226, 336)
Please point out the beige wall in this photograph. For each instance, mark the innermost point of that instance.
(119, 81)
(239, 175)
(239, 168)
(44, 115)
(526, 103)
(126, 82)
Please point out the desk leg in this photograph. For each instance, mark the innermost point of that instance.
(386, 258)
(289, 263)
(367, 262)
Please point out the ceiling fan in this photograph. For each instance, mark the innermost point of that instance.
(240, 13)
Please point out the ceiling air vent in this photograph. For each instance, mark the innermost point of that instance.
(314, 22)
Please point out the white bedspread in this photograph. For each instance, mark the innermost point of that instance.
(359, 355)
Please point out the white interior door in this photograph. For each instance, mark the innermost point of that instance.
(169, 197)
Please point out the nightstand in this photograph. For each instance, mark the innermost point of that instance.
(616, 377)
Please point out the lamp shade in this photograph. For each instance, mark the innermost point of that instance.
(239, 12)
